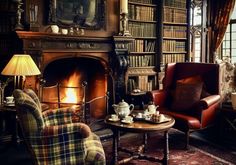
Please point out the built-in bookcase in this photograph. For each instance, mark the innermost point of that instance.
(142, 52)
(7, 24)
(175, 40)
(161, 32)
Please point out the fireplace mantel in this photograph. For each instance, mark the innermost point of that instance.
(112, 51)
(48, 41)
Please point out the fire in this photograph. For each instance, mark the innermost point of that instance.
(71, 93)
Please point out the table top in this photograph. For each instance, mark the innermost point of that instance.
(8, 107)
(140, 126)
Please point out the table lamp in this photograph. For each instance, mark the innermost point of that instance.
(20, 65)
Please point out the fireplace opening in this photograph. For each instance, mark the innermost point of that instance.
(65, 84)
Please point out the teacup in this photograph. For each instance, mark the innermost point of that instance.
(9, 99)
(114, 117)
(161, 118)
(139, 115)
(129, 119)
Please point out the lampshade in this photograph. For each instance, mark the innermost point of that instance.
(21, 65)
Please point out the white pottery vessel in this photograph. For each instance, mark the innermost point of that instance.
(123, 109)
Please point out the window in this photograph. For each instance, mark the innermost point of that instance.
(229, 41)
(196, 30)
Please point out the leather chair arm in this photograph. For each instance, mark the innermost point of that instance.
(158, 97)
(208, 101)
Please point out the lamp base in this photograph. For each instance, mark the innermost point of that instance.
(19, 82)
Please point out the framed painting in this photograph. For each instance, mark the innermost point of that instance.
(82, 13)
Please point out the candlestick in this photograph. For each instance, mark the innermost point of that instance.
(124, 24)
(123, 6)
(18, 25)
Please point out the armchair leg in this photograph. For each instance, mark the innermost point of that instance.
(187, 140)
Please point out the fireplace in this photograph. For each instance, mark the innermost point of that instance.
(66, 79)
(100, 61)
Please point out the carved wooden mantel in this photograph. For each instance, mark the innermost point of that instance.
(42, 40)
(111, 51)
(47, 47)
(38, 44)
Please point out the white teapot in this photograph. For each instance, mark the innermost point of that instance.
(123, 109)
(152, 108)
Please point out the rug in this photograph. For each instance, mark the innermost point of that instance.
(177, 154)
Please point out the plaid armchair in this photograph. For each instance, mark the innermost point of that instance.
(53, 136)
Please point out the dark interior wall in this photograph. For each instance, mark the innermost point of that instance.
(110, 12)
(9, 42)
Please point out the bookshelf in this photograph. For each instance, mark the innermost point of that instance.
(175, 32)
(161, 35)
(142, 25)
(7, 24)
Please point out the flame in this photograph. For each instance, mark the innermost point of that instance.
(71, 93)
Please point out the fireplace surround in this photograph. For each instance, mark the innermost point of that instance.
(102, 61)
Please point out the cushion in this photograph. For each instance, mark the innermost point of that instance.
(191, 80)
(186, 95)
(194, 80)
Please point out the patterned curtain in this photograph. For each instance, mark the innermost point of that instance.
(220, 16)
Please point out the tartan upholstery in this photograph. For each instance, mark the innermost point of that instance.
(53, 137)
(58, 116)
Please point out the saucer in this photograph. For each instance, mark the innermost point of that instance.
(126, 122)
(12, 104)
(139, 117)
(110, 119)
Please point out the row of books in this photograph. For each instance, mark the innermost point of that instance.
(169, 58)
(7, 4)
(6, 24)
(142, 13)
(173, 46)
(145, 84)
(175, 15)
(142, 46)
(143, 1)
(175, 31)
(141, 60)
(142, 83)
(175, 3)
(131, 85)
(4, 44)
(140, 29)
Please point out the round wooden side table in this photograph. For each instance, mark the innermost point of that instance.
(139, 127)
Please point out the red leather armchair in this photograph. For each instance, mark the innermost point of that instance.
(197, 114)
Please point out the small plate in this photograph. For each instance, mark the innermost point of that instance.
(110, 119)
(126, 122)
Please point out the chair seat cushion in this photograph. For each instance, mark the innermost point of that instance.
(182, 121)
